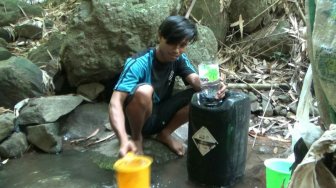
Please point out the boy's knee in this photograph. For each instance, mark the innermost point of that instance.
(143, 96)
(144, 93)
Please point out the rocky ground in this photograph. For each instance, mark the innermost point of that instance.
(273, 85)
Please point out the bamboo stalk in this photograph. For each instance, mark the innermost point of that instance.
(303, 17)
(257, 86)
(190, 8)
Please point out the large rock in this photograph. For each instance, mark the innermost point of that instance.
(29, 29)
(90, 91)
(14, 146)
(19, 79)
(10, 11)
(204, 48)
(6, 35)
(272, 42)
(45, 137)
(103, 33)
(4, 54)
(255, 13)
(43, 55)
(3, 42)
(83, 121)
(6, 125)
(213, 14)
(47, 109)
(47, 57)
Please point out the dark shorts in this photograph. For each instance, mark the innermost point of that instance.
(163, 112)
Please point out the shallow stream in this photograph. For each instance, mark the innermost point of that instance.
(76, 169)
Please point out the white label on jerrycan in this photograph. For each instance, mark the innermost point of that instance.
(204, 140)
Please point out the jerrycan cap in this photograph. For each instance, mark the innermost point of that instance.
(132, 163)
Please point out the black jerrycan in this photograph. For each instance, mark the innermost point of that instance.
(217, 140)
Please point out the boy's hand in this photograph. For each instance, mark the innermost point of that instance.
(127, 147)
(221, 91)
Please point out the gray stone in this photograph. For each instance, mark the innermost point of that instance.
(47, 57)
(204, 48)
(293, 107)
(107, 34)
(45, 137)
(277, 110)
(83, 121)
(4, 54)
(6, 125)
(290, 115)
(201, 50)
(267, 107)
(252, 97)
(41, 57)
(284, 98)
(6, 35)
(281, 111)
(103, 33)
(47, 109)
(214, 15)
(91, 90)
(29, 29)
(3, 42)
(267, 122)
(14, 146)
(10, 11)
(19, 79)
(271, 43)
(255, 107)
(250, 11)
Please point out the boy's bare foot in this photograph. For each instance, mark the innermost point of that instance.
(138, 145)
(172, 144)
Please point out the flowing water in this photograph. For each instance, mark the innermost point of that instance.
(75, 169)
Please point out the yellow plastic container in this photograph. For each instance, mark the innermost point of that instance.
(133, 171)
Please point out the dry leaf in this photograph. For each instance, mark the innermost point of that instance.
(275, 150)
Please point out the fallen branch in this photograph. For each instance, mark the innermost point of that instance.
(279, 139)
(23, 12)
(261, 121)
(4, 110)
(85, 138)
(101, 140)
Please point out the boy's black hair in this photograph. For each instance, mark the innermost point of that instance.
(177, 28)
